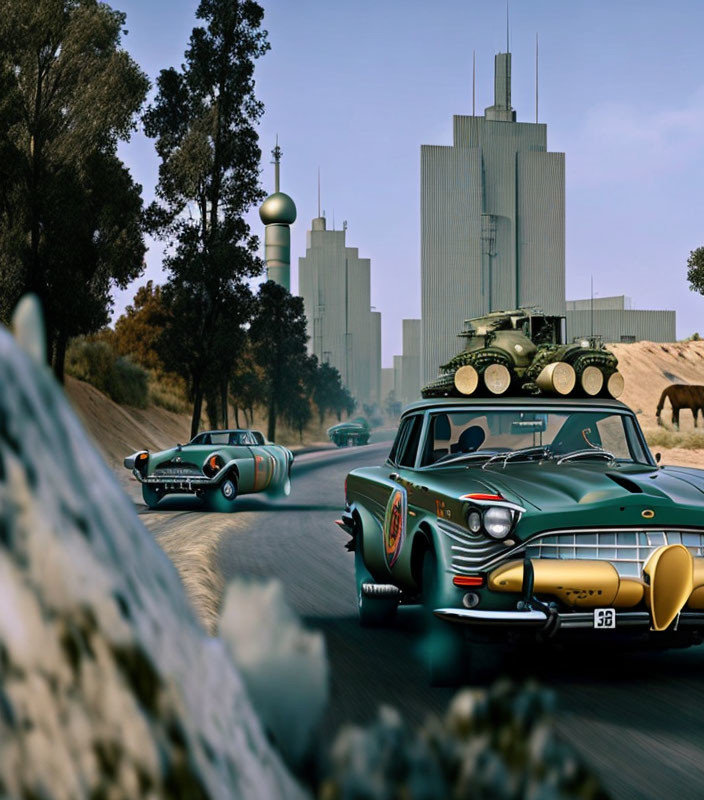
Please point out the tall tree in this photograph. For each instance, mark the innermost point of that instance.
(695, 270)
(203, 122)
(329, 394)
(278, 336)
(70, 214)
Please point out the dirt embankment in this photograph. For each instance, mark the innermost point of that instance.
(649, 367)
(120, 430)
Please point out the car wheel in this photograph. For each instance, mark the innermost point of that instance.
(151, 495)
(222, 497)
(446, 653)
(374, 612)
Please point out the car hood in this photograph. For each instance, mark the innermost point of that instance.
(589, 493)
(190, 454)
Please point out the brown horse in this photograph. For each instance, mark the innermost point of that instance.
(682, 396)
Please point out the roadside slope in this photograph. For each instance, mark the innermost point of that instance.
(648, 367)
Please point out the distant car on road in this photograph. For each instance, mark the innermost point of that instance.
(216, 466)
(528, 518)
(353, 432)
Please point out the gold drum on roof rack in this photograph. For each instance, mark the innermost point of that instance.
(592, 381)
(466, 380)
(497, 378)
(615, 385)
(558, 377)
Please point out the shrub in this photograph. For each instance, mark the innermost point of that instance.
(168, 390)
(95, 362)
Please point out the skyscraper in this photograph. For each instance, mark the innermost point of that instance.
(492, 223)
(343, 331)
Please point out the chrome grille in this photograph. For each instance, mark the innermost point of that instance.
(171, 468)
(627, 550)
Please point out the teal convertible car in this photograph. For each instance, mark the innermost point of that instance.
(536, 517)
(216, 466)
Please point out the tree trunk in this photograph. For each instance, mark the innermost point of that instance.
(60, 356)
(271, 429)
(237, 417)
(197, 406)
(224, 391)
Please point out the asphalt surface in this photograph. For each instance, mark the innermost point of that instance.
(636, 718)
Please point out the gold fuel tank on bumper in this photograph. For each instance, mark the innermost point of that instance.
(672, 579)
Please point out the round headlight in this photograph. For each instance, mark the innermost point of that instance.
(213, 464)
(498, 522)
(474, 521)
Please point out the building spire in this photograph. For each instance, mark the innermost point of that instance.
(277, 153)
(508, 47)
(474, 79)
(536, 78)
(318, 192)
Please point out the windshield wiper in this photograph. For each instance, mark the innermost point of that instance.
(525, 452)
(597, 452)
(452, 458)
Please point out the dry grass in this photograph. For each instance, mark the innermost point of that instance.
(193, 555)
(682, 440)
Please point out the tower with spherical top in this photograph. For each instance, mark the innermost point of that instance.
(278, 213)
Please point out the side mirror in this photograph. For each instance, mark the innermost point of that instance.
(658, 456)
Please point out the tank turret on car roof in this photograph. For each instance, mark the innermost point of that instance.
(524, 351)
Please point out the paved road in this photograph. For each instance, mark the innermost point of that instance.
(637, 719)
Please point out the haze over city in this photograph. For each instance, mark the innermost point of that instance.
(355, 89)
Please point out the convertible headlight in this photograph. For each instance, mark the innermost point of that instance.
(498, 522)
(213, 464)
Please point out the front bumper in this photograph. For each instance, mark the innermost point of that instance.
(555, 621)
(183, 482)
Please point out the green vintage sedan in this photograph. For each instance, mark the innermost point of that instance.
(216, 466)
(350, 433)
(527, 517)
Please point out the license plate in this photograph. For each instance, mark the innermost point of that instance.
(604, 618)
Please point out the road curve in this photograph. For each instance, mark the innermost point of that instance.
(636, 718)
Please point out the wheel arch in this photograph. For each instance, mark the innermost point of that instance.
(423, 542)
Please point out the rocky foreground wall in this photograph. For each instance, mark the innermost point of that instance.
(109, 686)
(111, 689)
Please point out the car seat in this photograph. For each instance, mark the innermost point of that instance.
(471, 439)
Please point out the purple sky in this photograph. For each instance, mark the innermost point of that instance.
(356, 87)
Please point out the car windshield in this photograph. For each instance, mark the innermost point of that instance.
(232, 438)
(508, 435)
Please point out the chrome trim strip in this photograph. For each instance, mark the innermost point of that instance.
(474, 616)
(566, 621)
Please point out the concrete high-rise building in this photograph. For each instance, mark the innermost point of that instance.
(492, 223)
(278, 213)
(334, 283)
(375, 355)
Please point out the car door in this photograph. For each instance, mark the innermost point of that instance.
(391, 496)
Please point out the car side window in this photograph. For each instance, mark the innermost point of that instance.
(409, 447)
(400, 437)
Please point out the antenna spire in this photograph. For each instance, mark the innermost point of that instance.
(536, 78)
(277, 153)
(318, 192)
(474, 78)
(507, 42)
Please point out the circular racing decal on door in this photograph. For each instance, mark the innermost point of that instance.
(395, 525)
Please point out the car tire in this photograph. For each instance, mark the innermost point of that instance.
(151, 495)
(446, 652)
(222, 497)
(374, 612)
